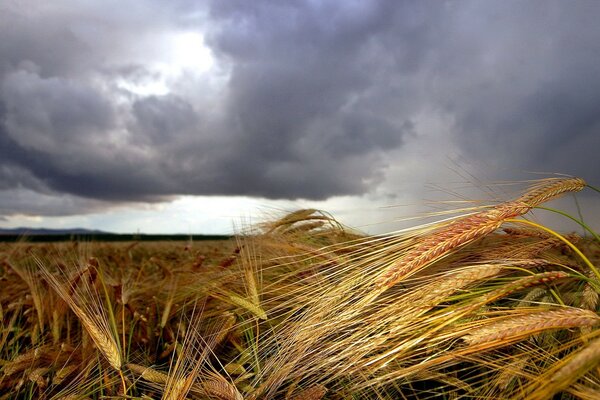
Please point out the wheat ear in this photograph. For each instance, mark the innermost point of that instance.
(106, 344)
(217, 387)
(149, 374)
(550, 188)
(315, 392)
(248, 305)
(589, 296)
(470, 228)
(178, 388)
(93, 321)
(445, 240)
(518, 328)
(437, 291)
(575, 367)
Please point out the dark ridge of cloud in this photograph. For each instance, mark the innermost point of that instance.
(314, 98)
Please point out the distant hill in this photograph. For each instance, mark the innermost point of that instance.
(81, 234)
(45, 231)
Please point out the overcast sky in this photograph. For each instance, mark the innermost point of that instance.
(183, 116)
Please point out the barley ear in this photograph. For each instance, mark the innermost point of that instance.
(149, 374)
(315, 392)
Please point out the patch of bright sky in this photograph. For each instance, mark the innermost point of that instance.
(183, 52)
(209, 215)
(226, 215)
(187, 214)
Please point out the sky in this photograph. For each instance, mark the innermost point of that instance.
(201, 116)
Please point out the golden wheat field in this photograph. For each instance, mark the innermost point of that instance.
(484, 305)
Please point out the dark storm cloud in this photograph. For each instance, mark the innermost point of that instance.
(311, 101)
(528, 96)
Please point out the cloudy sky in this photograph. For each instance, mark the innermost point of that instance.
(187, 116)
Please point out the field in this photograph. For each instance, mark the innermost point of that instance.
(484, 305)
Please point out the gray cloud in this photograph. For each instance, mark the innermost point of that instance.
(307, 99)
(529, 93)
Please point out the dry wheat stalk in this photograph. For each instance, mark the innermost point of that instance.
(470, 228)
(91, 314)
(550, 188)
(590, 296)
(38, 377)
(578, 364)
(225, 323)
(294, 217)
(217, 387)
(22, 361)
(584, 392)
(178, 388)
(105, 343)
(445, 240)
(38, 293)
(516, 328)
(315, 392)
(532, 296)
(511, 371)
(233, 368)
(248, 305)
(571, 369)
(149, 374)
(526, 232)
(438, 290)
(64, 373)
(523, 283)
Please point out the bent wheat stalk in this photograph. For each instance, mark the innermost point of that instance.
(89, 308)
(148, 373)
(470, 228)
(512, 329)
(315, 392)
(217, 387)
(572, 369)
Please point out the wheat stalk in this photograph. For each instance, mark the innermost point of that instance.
(550, 188)
(315, 392)
(470, 228)
(445, 240)
(439, 289)
(526, 232)
(584, 392)
(589, 296)
(516, 328)
(91, 315)
(149, 374)
(248, 305)
(106, 343)
(217, 387)
(178, 388)
(524, 283)
(511, 371)
(569, 371)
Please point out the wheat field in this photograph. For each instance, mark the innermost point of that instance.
(484, 305)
